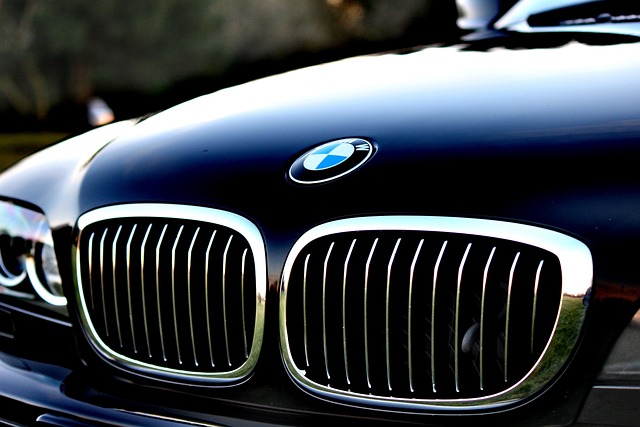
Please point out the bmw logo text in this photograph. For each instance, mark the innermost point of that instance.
(330, 161)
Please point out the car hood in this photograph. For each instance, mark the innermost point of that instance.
(527, 135)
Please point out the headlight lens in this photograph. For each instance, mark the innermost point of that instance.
(28, 267)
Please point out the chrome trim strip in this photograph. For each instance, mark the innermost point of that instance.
(388, 357)
(161, 419)
(457, 319)
(36, 315)
(576, 272)
(616, 387)
(409, 314)
(180, 212)
(433, 316)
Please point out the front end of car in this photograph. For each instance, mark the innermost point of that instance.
(446, 236)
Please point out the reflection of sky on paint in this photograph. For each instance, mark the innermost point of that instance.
(45, 378)
(444, 72)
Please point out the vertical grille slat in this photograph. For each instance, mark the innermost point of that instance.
(432, 336)
(131, 320)
(344, 311)
(91, 269)
(191, 283)
(366, 312)
(387, 328)
(436, 315)
(224, 298)
(115, 288)
(206, 297)
(482, 322)
(159, 313)
(535, 303)
(507, 323)
(242, 305)
(104, 304)
(304, 313)
(457, 318)
(410, 316)
(142, 288)
(189, 298)
(324, 312)
(173, 292)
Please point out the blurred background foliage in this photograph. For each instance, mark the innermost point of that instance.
(141, 56)
(144, 55)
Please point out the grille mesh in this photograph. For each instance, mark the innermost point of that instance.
(417, 315)
(173, 294)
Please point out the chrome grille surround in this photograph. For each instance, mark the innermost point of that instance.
(376, 349)
(184, 298)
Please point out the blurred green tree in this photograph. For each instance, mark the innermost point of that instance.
(50, 50)
(26, 94)
(53, 51)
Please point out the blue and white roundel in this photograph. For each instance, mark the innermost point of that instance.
(330, 161)
(328, 156)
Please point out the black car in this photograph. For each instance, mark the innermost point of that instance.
(445, 235)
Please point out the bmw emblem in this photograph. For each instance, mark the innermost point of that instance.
(330, 161)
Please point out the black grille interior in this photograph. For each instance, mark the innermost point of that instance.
(420, 314)
(174, 294)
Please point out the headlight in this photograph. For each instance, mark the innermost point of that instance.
(28, 267)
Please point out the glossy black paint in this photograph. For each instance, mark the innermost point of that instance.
(548, 136)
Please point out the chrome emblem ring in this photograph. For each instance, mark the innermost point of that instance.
(330, 161)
